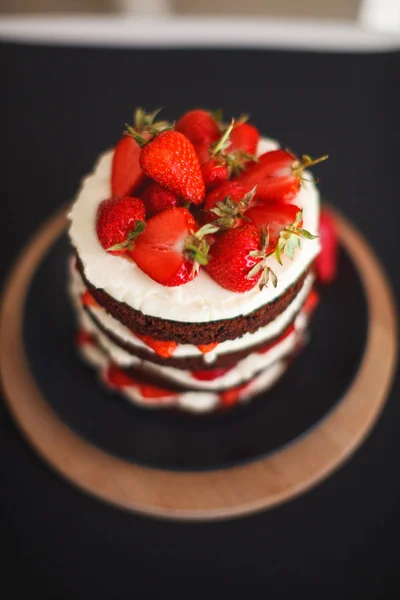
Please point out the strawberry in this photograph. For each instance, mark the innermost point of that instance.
(151, 391)
(244, 137)
(83, 338)
(88, 300)
(119, 221)
(277, 215)
(277, 174)
(157, 198)
(283, 223)
(171, 248)
(208, 374)
(199, 126)
(221, 163)
(228, 202)
(326, 262)
(170, 159)
(238, 259)
(117, 378)
(214, 173)
(230, 397)
(164, 348)
(202, 152)
(127, 175)
(205, 348)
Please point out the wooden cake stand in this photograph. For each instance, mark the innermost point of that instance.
(207, 494)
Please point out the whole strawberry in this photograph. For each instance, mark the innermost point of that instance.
(277, 174)
(119, 222)
(199, 126)
(222, 161)
(226, 204)
(172, 247)
(157, 198)
(237, 259)
(171, 160)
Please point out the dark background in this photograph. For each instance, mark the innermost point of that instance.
(58, 109)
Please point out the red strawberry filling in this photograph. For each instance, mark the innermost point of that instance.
(209, 374)
(231, 397)
(88, 300)
(151, 391)
(118, 378)
(204, 348)
(84, 338)
(164, 348)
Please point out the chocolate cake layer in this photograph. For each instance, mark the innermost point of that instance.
(194, 333)
(189, 363)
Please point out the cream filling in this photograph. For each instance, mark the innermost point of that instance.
(193, 401)
(263, 334)
(242, 371)
(200, 300)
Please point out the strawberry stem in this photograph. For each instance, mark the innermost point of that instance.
(129, 243)
(145, 127)
(228, 210)
(306, 162)
(221, 144)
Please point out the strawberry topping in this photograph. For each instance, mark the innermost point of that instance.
(119, 222)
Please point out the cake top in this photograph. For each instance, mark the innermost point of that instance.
(198, 214)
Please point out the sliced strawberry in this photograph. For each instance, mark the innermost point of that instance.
(209, 374)
(171, 247)
(83, 338)
(170, 159)
(157, 198)
(127, 174)
(277, 175)
(327, 260)
(119, 221)
(283, 223)
(277, 215)
(199, 126)
(88, 300)
(231, 397)
(205, 348)
(164, 348)
(244, 137)
(117, 377)
(151, 391)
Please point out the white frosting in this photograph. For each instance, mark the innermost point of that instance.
(263, 334)
(201, 300)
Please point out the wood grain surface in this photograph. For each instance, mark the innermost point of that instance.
(210, 494)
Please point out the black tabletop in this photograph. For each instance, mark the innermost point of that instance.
(59, 107)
